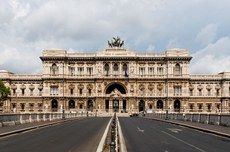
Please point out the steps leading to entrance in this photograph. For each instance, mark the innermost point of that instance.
(110, 114)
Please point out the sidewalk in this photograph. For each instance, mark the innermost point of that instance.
(5, 131)
(214, 129)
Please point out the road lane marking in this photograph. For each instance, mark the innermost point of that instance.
(175, 130)
(140, 130)
(184, 142)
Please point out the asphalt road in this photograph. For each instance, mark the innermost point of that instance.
(74, 136)
(144, 135)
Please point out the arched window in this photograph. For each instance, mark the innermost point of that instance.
(177, 69)
(160, 104)
(106, 69)
(54, 69)
(115, 68)
(125, 70)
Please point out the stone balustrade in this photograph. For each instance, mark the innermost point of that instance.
(21, 118)
(215, 119)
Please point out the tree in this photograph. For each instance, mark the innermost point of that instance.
(4, 91)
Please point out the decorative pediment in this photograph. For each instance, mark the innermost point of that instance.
(208, 87)
(191, 87)
(40, 86)
(31, 87)
(159, 86)
(71, 86)
(80, 86)
(217, 87)
(13, 86)
(89, 86)
(200, 87)
(23, 86)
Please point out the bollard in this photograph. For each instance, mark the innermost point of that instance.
(112, 147)
(112, 135)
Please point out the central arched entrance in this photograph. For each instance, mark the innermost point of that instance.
(115, 101)
(115, 86)
(54, 105)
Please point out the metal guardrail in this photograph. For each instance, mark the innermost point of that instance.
(214, 119)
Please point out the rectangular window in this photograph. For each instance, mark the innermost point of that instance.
(160, 70)
(14, 91)
(151, 71)
(54, 90)
(217, 92)
(80, 70)
(23, 92)
(40, 92)
(191, 92)
(90, 92)
(177, 90)
(31, 92)
(71, 91)
(142, 71)
(209, 92)
(89, 71)
(80, 91)
(200, 92)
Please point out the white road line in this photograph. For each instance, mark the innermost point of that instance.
(184, 142)
(101, 144)
(175, 130)
(140, 129)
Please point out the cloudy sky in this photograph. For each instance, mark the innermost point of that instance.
(29, 26)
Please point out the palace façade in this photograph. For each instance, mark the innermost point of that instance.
(116, 79)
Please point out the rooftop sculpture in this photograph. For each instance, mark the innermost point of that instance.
(115, 42)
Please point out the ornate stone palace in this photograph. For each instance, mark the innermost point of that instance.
(116, 79)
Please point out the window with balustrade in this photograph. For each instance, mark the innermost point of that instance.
(159, 70)
(150, 71)
(54, 90)
(89, 71)
(71, 71)
(141, 71)
(177, 90)
(80, 71)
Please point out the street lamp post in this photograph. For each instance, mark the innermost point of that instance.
(63, 93)
(166, 90)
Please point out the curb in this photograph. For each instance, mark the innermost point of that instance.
(193, 127)
(103, 139)
(34, 127)
(121, 138)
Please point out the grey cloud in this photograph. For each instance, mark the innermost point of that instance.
(82, 26)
